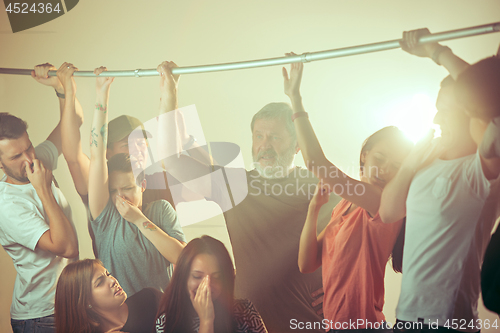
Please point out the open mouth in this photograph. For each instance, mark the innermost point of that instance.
(119, 291)
(267, 155)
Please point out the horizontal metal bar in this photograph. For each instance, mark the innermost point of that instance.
(305, 57)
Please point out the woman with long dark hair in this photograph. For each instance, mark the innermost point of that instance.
(355, 246)
(200, 296)
(90, 300)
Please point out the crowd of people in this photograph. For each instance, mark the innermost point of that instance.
(310, 258)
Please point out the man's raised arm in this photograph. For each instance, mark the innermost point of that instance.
(172, 136)
(441, 55)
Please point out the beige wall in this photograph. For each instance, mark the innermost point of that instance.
(347, 98)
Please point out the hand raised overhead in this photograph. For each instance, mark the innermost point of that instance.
(40, 74)
(168, 81)
(65, 76)
(102, 83)
(292, 83)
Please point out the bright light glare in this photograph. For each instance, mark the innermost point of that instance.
(414, 116)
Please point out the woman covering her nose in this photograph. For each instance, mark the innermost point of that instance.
(200, 296)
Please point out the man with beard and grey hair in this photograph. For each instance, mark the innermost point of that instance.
(273, 157)
(264, 208)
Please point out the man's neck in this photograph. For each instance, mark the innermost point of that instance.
(460, 149)
(13, 181)
(279, 174)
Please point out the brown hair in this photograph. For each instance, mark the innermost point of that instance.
(11, 127)
(176, 304)
(73, 295)
(278, 110)
(395, 135)
(478, 88)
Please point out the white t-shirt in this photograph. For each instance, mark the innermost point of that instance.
(444, 242)
(22, 222)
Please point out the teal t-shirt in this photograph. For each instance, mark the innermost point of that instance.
(127, 254)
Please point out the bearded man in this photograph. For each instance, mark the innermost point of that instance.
(264, 208)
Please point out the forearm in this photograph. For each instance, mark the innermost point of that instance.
(99, 129)
(79, 171)
(308, 142)
(169, 140)
(393, 201)
(56, 135)
(78, 162)
(70, 130)
(62, 235)
(168, 101)
(453, 64)
(309, 252)
(98, 170)
(168, 246)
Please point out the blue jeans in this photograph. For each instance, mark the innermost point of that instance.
(36, 325)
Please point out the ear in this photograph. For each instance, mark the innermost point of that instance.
(143, 185)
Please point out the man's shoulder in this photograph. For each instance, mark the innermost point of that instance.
(12, 195)
(47, 152)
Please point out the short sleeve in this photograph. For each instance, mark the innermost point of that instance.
(169, 221)
(247, 317)
(21, 222)
(490, 145)
(48, 154)
(473, 172)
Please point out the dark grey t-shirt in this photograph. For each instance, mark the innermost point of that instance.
(265, 229)
(127, 254)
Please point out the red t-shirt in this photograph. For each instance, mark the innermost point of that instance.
(356, 248)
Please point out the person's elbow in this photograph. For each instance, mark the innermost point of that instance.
(68, 251)
(79, 120)
(306, 267)
(71, 253)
